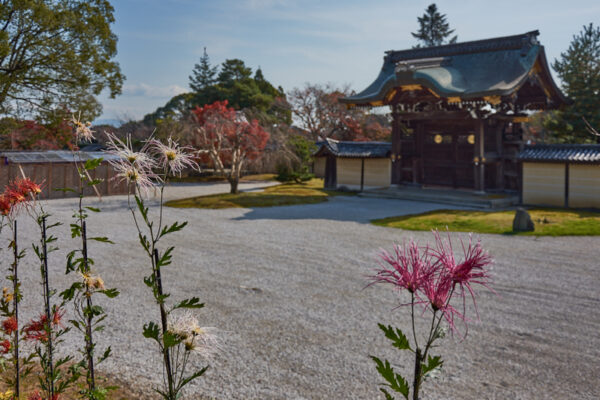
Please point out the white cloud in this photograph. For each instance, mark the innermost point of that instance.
(145, 90)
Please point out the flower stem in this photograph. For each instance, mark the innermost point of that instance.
(89, 343)
(16, 309)
(417, 377)
(50, 377)
(412, 317)
(163, 320)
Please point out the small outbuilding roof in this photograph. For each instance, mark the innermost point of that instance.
(353, 149)
(573, 153)
(51, 156)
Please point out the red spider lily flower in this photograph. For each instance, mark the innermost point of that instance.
(5, 205)
(57, 316)
(5, 346)
(55, 396)
(28, 187)
(410, 268)
(10, 325)
(36, 330)
(14, 195)
(35, 396)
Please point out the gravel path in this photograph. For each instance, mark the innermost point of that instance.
(285, 286)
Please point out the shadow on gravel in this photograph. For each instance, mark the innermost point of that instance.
(342, 208)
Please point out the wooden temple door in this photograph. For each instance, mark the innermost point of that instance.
(447, 158)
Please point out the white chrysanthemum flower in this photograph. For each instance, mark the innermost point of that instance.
(124, 150)
(133, 175)
(83, 132)
(199, 339)
(173, 157)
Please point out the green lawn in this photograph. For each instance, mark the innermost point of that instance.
(281, 195)
(217, 178)
(548, 222)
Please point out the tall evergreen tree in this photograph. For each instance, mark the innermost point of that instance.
(579, 70)
(433, 29)
(233, 70)
(258, 75)
(203, 74)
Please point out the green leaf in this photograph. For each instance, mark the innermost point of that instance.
(396, 336)
(194, 302)
(144, 242)
(395, 381)
(105, 355)
(190, 378)
(143, 210)
(75, 230)
(93, 311)
(69, 293)
(102, 239)
(65, 190)
(93, 163)
(173, 228)
(110, 293)
(94, 209)
(388, 396)
(165, 259)
(149, 281)
(432, 363)
(151, 331)
(170, 339)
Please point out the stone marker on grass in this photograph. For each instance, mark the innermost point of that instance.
(522, 221)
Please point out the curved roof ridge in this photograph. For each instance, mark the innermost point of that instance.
(475, 46)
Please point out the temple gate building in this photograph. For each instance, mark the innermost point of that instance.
(457, 111)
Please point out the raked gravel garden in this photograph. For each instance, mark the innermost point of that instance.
(285, 286)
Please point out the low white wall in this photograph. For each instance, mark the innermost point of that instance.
(377, 172)
(544, 184)
(584, 185)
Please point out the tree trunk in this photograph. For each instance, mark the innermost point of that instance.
(234, 185)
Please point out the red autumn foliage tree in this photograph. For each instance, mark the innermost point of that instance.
(228, 139)
(31, 135)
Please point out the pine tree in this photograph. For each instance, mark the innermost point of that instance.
(233, 70)
(203, 74)
(258, 75)
(579, 70)
(433, 28)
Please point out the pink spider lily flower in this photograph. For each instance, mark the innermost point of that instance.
(407, 269)
(124, 151)
(83, 132)
(438, 291)
(472, 270)
(172, 157)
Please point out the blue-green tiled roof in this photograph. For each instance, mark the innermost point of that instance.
(491, 67)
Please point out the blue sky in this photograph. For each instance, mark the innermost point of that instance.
(294, 42)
